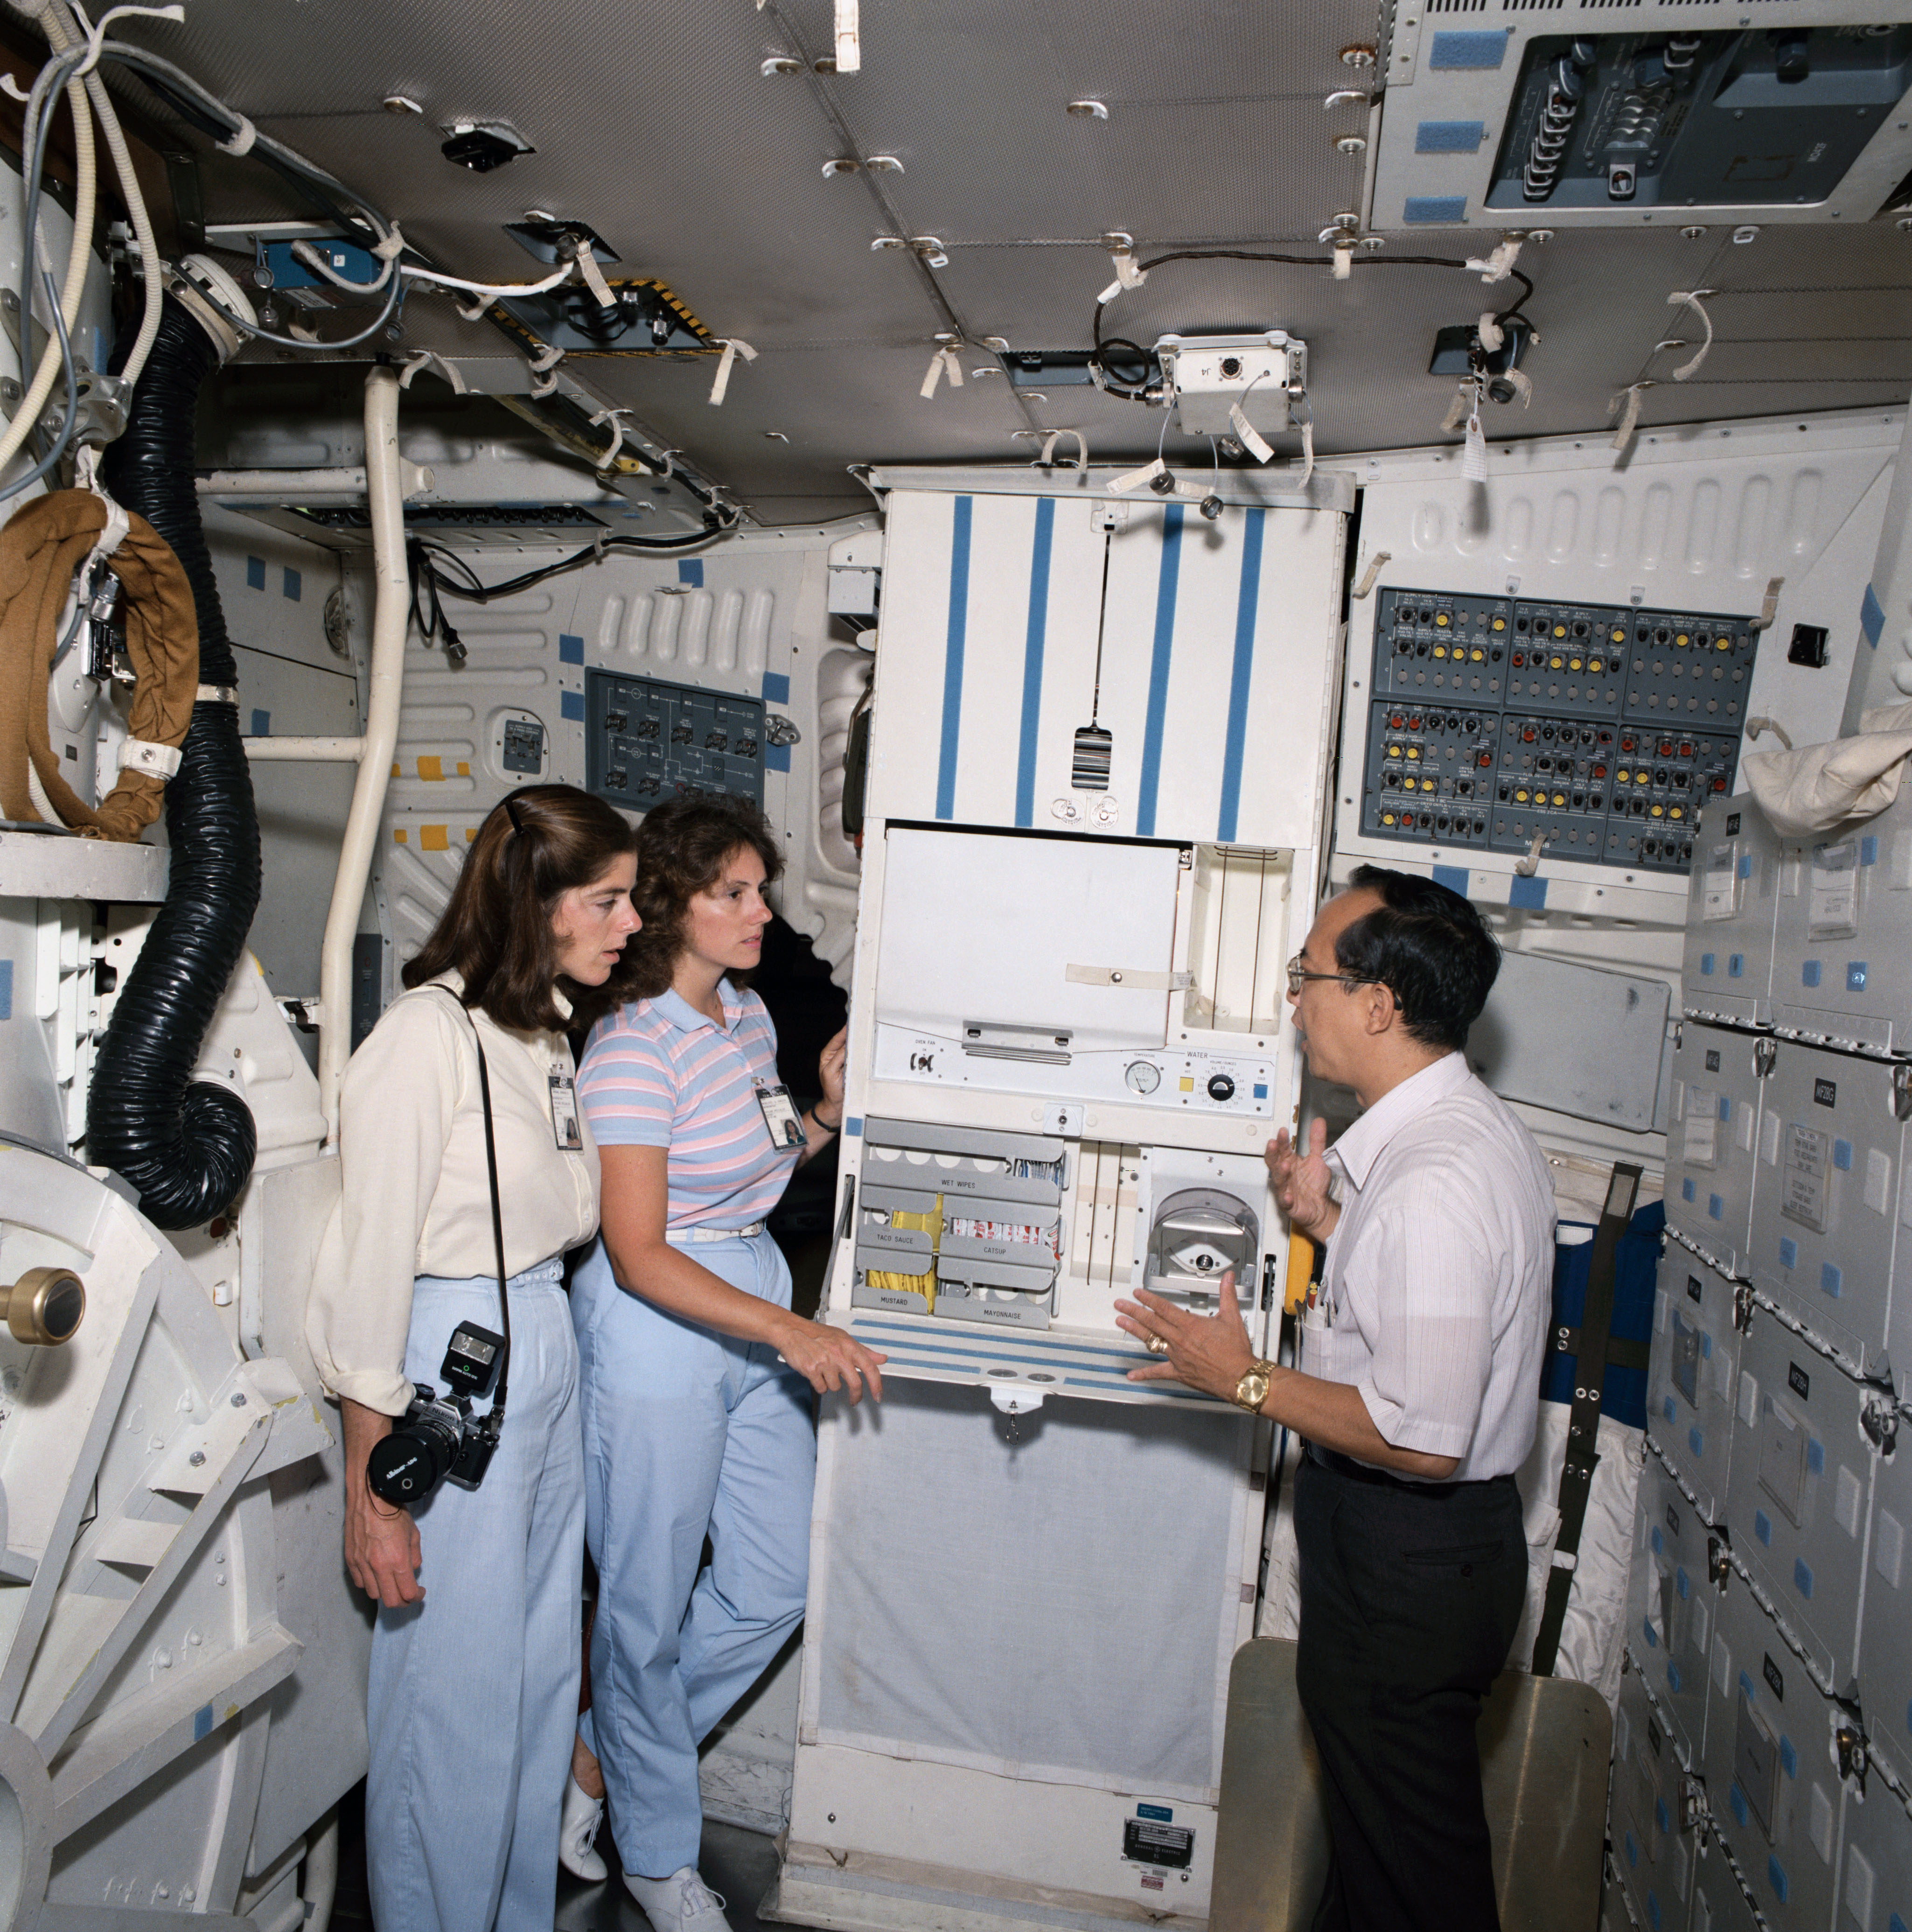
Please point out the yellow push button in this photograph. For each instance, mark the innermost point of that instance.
(1440, 619)
(1520, 798)
(1477, 654)
(1387, 818)
(1560, 630)
(1659, 811)
(1441, 650)
(1680, 640)
(1619, 635)
(1413, 750)
(1428, 785)
(1187, 1080)
(1573, 663)
(1501, 623)
(1624, 777)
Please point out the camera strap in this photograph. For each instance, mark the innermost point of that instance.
(494, 1420)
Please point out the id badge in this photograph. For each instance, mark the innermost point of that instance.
(780, 1117)
(564, 1129)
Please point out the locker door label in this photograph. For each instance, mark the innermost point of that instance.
(1804, 1179)
(1833, 910)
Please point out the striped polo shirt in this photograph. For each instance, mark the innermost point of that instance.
(657, 1073)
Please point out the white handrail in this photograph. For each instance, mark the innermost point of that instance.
(391, 613)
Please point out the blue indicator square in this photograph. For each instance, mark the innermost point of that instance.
(1696, 1441)
(1776, 1876)
(255, 573)
(1788, 1252)
(1809, 973)
(6, 989)
(776, 688)
(1736, 966)
(570, 650)
(776, 757)
(1454, 877)
(1653, 1910)
(1686, 1188)
(1632, 1849)
(690, 571)
(1706, 1346)
(1830, 1278)
(1763, 1527)
(1705, 965)
(1662, 1817)
(1668, 1406)
(1449, 137)
(1435, 211)
(262, 724)
(1716, 1208)
(1658, 1541)
(1476, 50)
(1746, 1688)
(1855, 976)
(1673, 1677)
(1725, 1107)
(290, 584)
(1788, 1757)
(1680, 1584)
(571, 704)
(1896, 1924)
(202, 1723)
(1868, 850)
(1802, 1577)
(1842, 1156)
(1871, 616)
(1526, 895)
(1737, 1798)
(1745, 864)
(1815, 1455)
(1260, 1093)
(1647, 1631)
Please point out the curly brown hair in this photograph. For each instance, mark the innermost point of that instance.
(682, 846)
(495, 933)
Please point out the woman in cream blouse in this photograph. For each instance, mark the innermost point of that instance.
(475, 1655)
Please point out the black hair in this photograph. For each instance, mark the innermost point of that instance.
(1430, 949)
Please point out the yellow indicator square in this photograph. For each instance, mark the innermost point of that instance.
(470, 832)
(1187, 1080)
(394, 769)
(432, 838)
(464, 769)
(398, 835)
(431, 769)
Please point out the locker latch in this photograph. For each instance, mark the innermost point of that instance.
(1719, 1563)
(1850, 1741)
(1901, 1090)
(1743, 1306)
(1693, 1816)
(1766, 1053)
(1879, 1418)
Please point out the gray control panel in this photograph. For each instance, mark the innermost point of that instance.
(646, 740)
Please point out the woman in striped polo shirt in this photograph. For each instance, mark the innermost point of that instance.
(698, 1383)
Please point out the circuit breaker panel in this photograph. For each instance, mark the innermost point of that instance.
(646, 740)
(1599, 731)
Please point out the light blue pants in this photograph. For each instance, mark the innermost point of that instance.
(686, 1431)
(473, 1694)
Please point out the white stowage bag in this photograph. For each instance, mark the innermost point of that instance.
(1819, 786)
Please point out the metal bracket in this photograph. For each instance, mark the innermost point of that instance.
(778, 729)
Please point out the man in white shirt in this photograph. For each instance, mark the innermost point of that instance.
(1418, 1398)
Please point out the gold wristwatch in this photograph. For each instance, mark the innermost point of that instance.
(1251, 1391)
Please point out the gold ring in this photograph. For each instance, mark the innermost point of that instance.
(1156, 1345)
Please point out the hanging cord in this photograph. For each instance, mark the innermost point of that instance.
(495, 1420)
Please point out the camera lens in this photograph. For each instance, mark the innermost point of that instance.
(408, 1465)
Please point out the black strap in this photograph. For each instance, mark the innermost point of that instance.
(495, 1420)
(1593, 1347)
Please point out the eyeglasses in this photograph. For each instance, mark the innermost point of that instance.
(1299, 976)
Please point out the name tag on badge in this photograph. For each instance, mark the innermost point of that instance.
(564, 1129)
(785, 1124)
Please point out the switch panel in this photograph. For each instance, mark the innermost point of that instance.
(646, 740)
(1600, 729)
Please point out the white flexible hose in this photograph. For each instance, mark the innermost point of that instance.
(31, 404)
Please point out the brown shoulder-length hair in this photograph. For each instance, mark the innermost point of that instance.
(682, 846)
(496, 935)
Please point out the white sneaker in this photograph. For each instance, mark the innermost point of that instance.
(577, 1833)
(678, 1902)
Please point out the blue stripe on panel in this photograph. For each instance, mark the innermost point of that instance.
(1164, 648)
(1236, 743)
(952, 660)
(1871, 616)
(1038, 630)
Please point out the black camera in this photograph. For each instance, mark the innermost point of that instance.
(438, 1439)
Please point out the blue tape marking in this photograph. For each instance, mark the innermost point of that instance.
(571, 704)
(1842, 1156)
(1725, 1107)
(1667, 1409)
(1657, 1540)
(1809, 973)
(1633, 1850)
(1868, 850)
(1662, 1817)
(690, 570)
(1526, 895)
(1739, 1802)
(776, 757)
(1260, 1092)
(1706, 965)
(1745, 864)
(1673, 1676)
(255, 573)
(1236, 741)
(1815, 1455)
(1896, 1924)
(1762, 1528)
(1161, 1813)
(1775, 1874)
(1449, 137)
(1647, 1631)
(1697, 1443)
(1871, 616)
(570, 650)
(852, 1128)
(1158, 662)
(1036, 638)
(1434, 211)
(1855, 976)
(1653, 1902)
(1705, 1345)
(1716, 1208)
(202, 1722)
(1788, 1757)
(1802, 1577)
(1454, 877)
(1686, 1188)
(1468, 50)
(290, 583)
(1736, 966)
(952, 657)
(1746, 1686)
(1788, 1252)
(262, 724)
(6, 989)
(776, 688)
(1830, 1278)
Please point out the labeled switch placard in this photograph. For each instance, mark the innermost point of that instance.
(646, 740)
(1600, 731)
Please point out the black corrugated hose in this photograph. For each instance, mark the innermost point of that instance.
(186, 1145)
